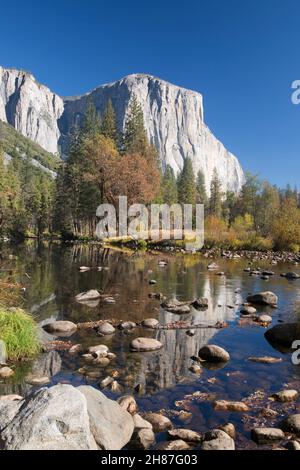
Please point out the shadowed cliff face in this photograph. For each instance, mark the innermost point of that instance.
(173, 116)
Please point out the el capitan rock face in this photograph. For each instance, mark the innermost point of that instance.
(173, 119)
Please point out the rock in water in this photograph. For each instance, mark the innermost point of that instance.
(106, 328)
(145, 344)
(53, 418)
(286, 395)
(224, 405)
(6, 372)
(185, 435)
(175, 306)
(291, 424)
(217, 440)
(61, 328)
(263, 298)
(150, 323)
(284, 334)
(159, 422)
(110, 424)
(213, 353)
(88, 295)
(266, 435)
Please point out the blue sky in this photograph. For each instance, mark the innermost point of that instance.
(242, 55)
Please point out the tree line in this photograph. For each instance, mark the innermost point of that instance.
(104, 163)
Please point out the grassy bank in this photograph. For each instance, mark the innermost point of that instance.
(19, 333)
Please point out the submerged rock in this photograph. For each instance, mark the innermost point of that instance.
(145, 344)
(185, 435)
(213, 353)
(61, 327)
(159, 422)
(217, 440)
(224, 405)
(263, 298)
(266, 435)
(265, 359)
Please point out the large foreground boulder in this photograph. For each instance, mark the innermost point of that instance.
(53, 418)
(110, 424)
(263, 298)
(283, 334)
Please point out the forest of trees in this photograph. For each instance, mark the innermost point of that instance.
(104, 163)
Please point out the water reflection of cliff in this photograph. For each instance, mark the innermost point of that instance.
(171, 364)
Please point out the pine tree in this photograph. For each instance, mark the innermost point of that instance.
(91, 122)
(109, 123)
(135, 137)
(201, 189)
(215, 201)
(169, 187)
(186, 184)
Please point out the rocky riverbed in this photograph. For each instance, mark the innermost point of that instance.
(195, 350)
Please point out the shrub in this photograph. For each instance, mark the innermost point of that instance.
(19, 333)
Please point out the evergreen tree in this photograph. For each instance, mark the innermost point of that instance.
(169, 187)
(135, 137)
(186, 184)
(215, 200)
(91, 122)
(109, 124)
(201, 189)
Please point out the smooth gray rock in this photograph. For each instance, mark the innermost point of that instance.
(110, 424)
(92, 294)
(159, 422)
(145, 344)
(266, 435)
(217, 440)
(61, 327)
(106, 328)
(185, 434)
(150, 323)
(53, 418)
(213, 353)
(263, 298)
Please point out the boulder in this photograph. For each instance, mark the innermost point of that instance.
(150, 323)
(263, 298)
(224, 405)
(159, 422)
(8, 410)
(128, 403)
(213, 353)
(291, 275)
(283, 334)
(6, 372)
(217, 440)
(53, 418)
(145, 344)
(60, 328)
(110, 424)
(92, 294)
(142, 439)
(106, 328)
(185, 435)
(177, 444)
(286, 396)
(266, 435)
(175, 306)
(291, 424)
(141, 423)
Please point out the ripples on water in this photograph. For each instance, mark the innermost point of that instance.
(53, 279)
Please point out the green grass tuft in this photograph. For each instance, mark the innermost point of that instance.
(19, 332)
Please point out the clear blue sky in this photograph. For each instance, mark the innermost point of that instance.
(242, 55)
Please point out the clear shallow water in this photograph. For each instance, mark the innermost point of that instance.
(53, 279)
